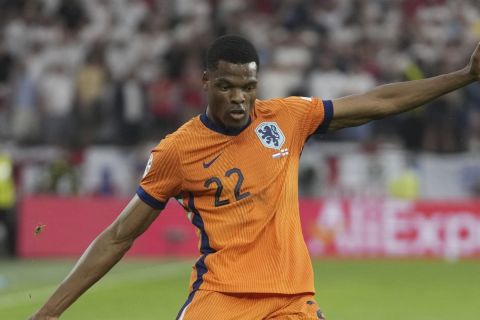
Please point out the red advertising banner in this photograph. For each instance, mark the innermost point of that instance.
(332, 227)
(393, 228)
(56, 227)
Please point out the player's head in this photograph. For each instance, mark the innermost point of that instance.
(233, 49)
(231, 80)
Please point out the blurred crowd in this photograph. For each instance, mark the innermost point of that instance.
(85, 72)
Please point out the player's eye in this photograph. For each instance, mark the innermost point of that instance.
(223, 87)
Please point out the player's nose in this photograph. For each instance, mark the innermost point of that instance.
(237, 96)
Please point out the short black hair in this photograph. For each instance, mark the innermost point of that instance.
(233, 49)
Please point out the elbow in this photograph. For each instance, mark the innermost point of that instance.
(383, 109)
(118, 239)
(125, 244)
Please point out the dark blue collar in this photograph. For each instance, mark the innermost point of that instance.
(218, 128)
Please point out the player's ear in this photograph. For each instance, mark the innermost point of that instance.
(205, 80)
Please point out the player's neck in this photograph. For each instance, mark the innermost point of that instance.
(213, 125)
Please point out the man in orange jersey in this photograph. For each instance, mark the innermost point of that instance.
(234, 170)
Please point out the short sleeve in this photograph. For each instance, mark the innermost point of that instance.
(313, 113)
(162, 178)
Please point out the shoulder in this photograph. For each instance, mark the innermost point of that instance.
(284, 105)
(270, 107)
(284, 102)
(184, 133)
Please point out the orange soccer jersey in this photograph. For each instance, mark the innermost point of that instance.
(240, 190)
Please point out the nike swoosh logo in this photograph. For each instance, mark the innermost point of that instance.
(206, 165)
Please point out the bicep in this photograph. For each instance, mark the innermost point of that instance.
(355, 110)
(134, 219)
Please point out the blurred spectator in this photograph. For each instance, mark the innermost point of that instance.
(7, 201)
(134, 110)
(62, 177)
(25, 106)
(163, 96)
(106, 186)
(57, 95)
(129, 104)
(473, 139)
(192, 97)
(72, 14)
(444, 129)
(6, 71)
(90, 96)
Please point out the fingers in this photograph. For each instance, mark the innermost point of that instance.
(321, 315)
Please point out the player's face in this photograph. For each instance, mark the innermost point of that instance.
(231, 91)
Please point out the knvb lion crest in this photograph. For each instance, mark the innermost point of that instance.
(270, 135)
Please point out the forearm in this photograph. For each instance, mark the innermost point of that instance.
(404, 96)
(98, 259)
(391, 99)
(104, 252)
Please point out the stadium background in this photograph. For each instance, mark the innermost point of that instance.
(88, 87)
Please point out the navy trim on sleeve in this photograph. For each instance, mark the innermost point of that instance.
(328, 109)
(148, 199)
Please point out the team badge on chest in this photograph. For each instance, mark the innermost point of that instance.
(270, 135)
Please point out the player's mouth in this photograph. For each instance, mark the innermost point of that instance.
(237, 114)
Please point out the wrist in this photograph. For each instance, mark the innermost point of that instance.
(472, 73)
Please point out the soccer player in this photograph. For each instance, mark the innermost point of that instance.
(234, 169)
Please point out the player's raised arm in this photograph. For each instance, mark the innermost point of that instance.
(399, 97)
(102, 254)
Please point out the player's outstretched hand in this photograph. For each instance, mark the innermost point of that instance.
(474, 64)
